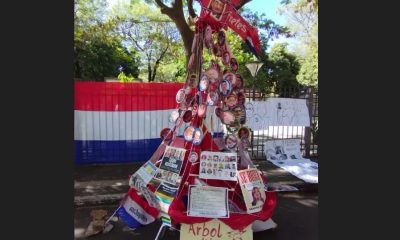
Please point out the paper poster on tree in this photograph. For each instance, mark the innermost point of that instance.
(214, 230)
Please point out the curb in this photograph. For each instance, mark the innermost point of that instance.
(115, 198)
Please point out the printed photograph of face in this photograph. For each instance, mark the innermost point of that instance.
(234, 64)
(217, 8)
(198, 135)
(244, 133)
(188, 134)
(257, 198)
(203, 83)
(225, 87)
(230, 141)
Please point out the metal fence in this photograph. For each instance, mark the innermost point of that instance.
(308, 135)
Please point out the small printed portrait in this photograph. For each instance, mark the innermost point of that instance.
(193, 157)
(203, 164)
(231, 101)
(209, 171)
(203, 170)
(203, 157)
(214, 172)
(230, 141)
(233, 166)
(221, 166)
(198, 136)
(257, 198)
(180, 95)
(244, 133)
(217, 8)
(221, 38)
(225, 87)
(226, 58)
(232, 174)
(215, 165)
(232, 159)
(239, 82)
(209, 158)
(215, 158)
(227, 166)
(226, 159)
(209, 165)
(203, 83)
(234, 64)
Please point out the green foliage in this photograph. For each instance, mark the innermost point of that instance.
(302, 20)
(97, 51)
(308, 74)
(154, 36)
(123, 78)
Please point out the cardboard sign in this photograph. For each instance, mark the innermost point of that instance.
(214, 230)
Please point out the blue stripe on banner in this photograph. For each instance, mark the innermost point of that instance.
(90, 152)
(128, 219)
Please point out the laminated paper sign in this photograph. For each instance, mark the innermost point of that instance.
(252, 189)
(214, 230)
(207, 201)
(218, 165)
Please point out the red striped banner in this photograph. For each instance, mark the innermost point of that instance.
(102, 96)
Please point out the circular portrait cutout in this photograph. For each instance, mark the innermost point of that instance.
(188, 133)
(197, 136)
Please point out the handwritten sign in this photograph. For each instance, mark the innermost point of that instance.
(214, 230)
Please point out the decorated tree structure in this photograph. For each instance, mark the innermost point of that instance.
(200, 176)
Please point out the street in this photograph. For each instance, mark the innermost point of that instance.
(296, 215)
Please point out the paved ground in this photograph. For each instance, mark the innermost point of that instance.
(296, 215)
(105, 184)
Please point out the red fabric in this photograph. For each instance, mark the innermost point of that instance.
(146, 206)
(177, 210)
(228, 18)
(107, 96)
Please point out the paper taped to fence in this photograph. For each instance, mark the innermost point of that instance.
(214, 230)
(283, 149)
(277, 112)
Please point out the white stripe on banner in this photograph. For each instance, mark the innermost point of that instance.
(137, 212)
(114, 126)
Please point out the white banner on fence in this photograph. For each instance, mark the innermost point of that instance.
(277, 112)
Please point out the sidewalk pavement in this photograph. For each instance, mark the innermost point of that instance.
(106, 184)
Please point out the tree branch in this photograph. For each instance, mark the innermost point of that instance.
(242, 3)
(164, 8)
